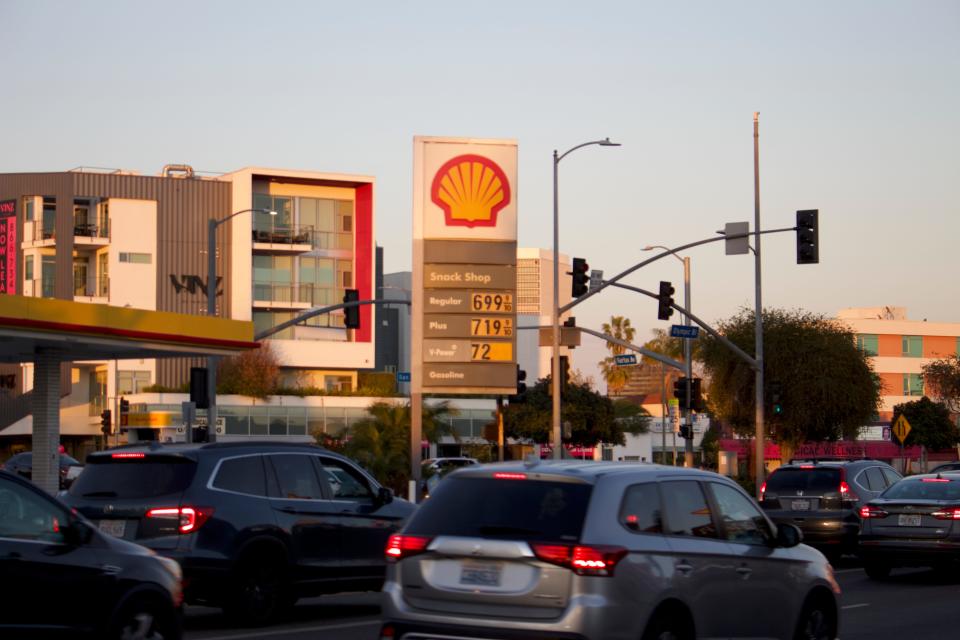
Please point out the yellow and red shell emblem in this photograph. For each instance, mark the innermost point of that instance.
(471, 190)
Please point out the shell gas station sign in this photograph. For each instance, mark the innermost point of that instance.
(464, 266)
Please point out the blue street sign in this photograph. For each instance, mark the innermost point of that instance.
(625, 359)
(403, 376)
(683, 331)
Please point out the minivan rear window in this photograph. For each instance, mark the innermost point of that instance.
(133, 478)
(818, 479)
(512, 509)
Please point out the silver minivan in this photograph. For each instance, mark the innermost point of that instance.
(601, 551)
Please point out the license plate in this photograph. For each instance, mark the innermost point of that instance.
(115, 528)
(800, 505)
(908, 520)
(481, 574)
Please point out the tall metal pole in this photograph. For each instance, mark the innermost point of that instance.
(688, 444)
(758, 310)
(212, 361)
(663, 414)
(555, 376)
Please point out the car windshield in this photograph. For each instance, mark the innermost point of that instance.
(147, 477)
(924, 489)
(494, 508)
(818, 479)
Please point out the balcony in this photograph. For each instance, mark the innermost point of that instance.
(282, 240)
(90, 236)
(91, 289)
(39, 288)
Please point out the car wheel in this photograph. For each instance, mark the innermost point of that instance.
(259, 591)
(668, 626)
(817, 621)
(876, 570)
(144, 619)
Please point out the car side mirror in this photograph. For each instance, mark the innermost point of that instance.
(788, 535)
(384, 496)
(77, 533)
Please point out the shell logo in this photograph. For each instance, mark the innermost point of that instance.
(471, 190)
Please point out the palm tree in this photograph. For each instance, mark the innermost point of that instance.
(616, 376)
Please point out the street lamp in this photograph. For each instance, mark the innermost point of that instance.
(688, 445)
(555, 377)
(212, 225)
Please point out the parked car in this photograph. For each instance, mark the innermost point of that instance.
(913, 523)
(22, 465)
(823, 498)
(253, 525)
(945, 467)
(576, 550)
(61, 577)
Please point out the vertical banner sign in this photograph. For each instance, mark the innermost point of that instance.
(8, 247)
(463, 333)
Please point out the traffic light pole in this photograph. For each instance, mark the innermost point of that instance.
(688, 415)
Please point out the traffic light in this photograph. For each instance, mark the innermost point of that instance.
(808, 245)
(665, 308)
(520, 396)
(351, 315)
(775, 398)
(580, 279)
(696, 401)
(105, 422)
(680, 391)
(685, 431)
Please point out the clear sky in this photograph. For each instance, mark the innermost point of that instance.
(859, 107)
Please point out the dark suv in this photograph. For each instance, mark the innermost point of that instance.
(822, 498)
(253, 525)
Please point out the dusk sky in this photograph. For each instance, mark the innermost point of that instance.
(859, 107)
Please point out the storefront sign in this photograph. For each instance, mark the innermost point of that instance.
(8, 247)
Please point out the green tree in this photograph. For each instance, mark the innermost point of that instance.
(930, 424)
(633, 418)
(591, 416)
(828, 386)
(616, 376)
(663, 344)
(942, 378)
(253, 373)
(381, 442)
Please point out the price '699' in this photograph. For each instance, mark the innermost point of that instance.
(491, 302)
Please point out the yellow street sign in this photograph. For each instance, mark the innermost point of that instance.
(901, 428)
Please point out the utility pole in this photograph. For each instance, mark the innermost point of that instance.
(688, 443)
(758, 311)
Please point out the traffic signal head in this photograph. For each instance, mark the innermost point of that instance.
(580, 278)
(521, 385)
(685, 431)
(808, 244)
(564, 371)
(105, 420)
(124, 405)
(351, 315)
(775, 398)
(665, 308)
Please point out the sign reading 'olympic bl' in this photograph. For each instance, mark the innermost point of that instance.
(464, 275)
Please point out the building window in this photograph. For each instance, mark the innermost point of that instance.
(129, 382)
(28, 267)
(338, 383)
(868, 344)
(283, 205)
(912, 384)
(49, 223)
(48, 275)
(912, 346)
(98, 392)
(28, 209)
(136, 258)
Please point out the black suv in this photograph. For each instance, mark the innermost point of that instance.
(253, 525)
(822, 498)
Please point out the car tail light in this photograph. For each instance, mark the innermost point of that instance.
(584, 560)
(505, 475)
(400, 546)
(872, 511)
(846, 495)
(935, 479)
(128, 454)
(387, 632)
(763, 491)
(947, 513)
(189, 519)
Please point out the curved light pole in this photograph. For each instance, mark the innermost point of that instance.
(212, 225)
(555, 376)
(688, 444)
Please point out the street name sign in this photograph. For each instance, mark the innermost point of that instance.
(683, 331)
(403, 376)
(625, 359)
(901, 428)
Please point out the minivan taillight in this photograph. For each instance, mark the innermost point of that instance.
(763, 491)
(947, 513)
(872, 511)
(846, 495)
(189, 519)
(400, 546)
(584, 560)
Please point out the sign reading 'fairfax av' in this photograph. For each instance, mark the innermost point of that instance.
(464, 277)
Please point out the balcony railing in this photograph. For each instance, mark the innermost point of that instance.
(41, 232)
(92, 288)
(299, 294)
(283, 235)
(39, 287)
(90, 230)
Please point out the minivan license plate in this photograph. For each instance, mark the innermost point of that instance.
(115, 528)
(800, 505)
(481, 574)
(908, 520)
